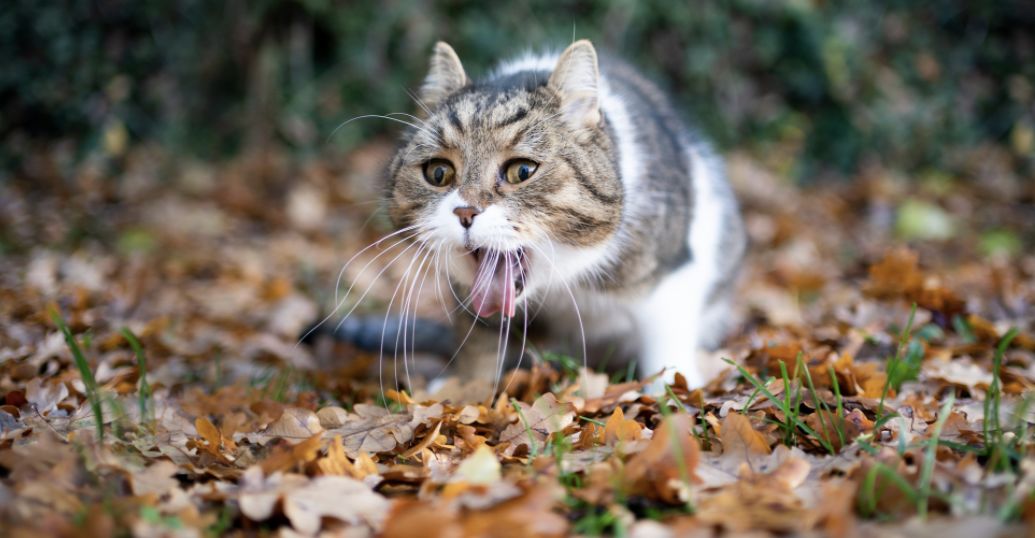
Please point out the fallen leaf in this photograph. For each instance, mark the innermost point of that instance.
(295, 424)
(537, 421)
(336, 497)
(665, 468)
(374, 429)
(740, 441)
(481, 468)
(620, 429)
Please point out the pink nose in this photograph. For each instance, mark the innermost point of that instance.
(466, 215)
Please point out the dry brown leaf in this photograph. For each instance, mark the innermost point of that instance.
(157, 479)
(740, 441)
(332, 417)
(619, 429)
(839, 430)
(335, 497)
(374, 429)
(665, 468)
(529, 515)
(537, 421)
(295, 424)
(761, 501)
(287, 457)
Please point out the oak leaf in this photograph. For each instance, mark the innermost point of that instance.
(537, 421)
(740, 441)
(665, 468)
(619, 429)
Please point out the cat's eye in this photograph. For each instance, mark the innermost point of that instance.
(519, 170)
(439, 172)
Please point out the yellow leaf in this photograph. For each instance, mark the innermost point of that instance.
(620, 429)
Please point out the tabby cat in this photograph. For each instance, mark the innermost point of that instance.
(568, 192)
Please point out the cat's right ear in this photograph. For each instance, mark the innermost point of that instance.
(576, 79)
(445, 76)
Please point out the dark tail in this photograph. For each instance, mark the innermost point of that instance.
(376, 333)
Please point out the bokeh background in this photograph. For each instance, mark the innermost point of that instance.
(815, 88)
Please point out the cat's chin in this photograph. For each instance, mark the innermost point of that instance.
(499, 280)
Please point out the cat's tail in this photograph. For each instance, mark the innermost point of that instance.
(381, 334)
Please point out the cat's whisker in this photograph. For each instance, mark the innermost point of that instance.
(414, 298)
(575, 304)
(524, 331)
(401, 331)
(337, 285)
(506, 336)
(438, 281)
(341, 273)
(384, 324)
(420, 103)
(419, 121)
(367, 116)
(420, 292)
(499, 336)
(474, 322)
(371, 285)
(460, 303)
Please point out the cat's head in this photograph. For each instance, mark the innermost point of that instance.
(514, 178)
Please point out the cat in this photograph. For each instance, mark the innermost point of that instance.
(567, 189)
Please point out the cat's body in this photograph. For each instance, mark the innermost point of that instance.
(577, 195)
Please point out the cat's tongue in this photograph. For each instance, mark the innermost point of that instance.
(495, 289)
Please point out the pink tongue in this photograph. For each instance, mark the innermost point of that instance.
(494, 285)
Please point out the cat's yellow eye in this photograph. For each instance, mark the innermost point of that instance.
(519, 170)
(439, 172)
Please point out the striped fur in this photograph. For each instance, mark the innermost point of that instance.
(632, 232)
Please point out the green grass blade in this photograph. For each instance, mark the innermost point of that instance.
(92, 393)
(144, 394)
(890, 372)
(930, 455)
(534, 452)
(791, 416)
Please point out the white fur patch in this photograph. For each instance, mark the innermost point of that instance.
(490, 228)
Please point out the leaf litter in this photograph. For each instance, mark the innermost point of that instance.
(875, 387)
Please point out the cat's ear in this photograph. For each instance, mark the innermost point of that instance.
(445, 76)
(576, 78)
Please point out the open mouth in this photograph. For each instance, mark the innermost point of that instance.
(499, 279)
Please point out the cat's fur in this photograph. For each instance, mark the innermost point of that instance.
(628, 215)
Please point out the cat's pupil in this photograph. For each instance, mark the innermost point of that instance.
(440, 174)
(524, 172)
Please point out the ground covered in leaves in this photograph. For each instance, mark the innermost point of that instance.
(151, 383)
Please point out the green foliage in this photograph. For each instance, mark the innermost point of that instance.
(789, 405)
(92, 391)
(816, 85)
(145, 398)
(1000, 451)
(904, 366)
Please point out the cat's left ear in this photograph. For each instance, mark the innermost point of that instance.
(445, 76)
(576, 78)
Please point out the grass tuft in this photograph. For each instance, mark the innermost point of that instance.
(997, 450)
(895, 377)
(92, 393)
(145, 396)
(790, 408)
(930, 458)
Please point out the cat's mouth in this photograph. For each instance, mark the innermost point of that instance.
(499, 279)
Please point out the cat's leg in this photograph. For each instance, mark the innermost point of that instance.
(669, 323)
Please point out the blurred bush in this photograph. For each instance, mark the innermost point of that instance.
(814, 86)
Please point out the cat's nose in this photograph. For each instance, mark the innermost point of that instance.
(466, 215)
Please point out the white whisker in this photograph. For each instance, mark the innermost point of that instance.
(337, 285)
